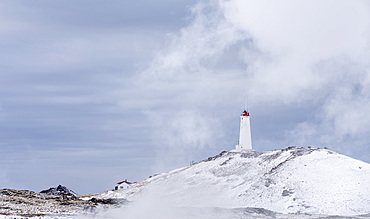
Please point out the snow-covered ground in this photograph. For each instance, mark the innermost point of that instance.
(289, 181)
(303, 183)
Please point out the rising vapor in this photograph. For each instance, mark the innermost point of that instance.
(283, 55)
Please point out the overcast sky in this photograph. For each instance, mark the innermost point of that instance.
(94, 92)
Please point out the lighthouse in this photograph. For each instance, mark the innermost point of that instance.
(245, 140)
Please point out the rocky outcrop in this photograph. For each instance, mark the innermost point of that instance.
(62, 192)
(58, 201)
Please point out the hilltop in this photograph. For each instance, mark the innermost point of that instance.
(293, 180)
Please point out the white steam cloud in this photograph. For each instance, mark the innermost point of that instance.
(284, 53)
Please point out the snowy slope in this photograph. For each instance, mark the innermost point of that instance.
(293, 180)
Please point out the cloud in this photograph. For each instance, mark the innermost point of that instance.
(309, 53)
(197, 48)
(348, 110)
(295, 36)
(187, 128)
(189, 81)
(312, 53)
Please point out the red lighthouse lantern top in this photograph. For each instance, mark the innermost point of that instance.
(245, 113)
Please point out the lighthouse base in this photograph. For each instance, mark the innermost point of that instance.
(239, 148)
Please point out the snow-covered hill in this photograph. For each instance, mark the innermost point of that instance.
(293, 180)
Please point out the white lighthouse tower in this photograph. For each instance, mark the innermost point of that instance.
(245, 140)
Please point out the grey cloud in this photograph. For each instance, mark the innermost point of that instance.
(100, 14)
(66, 83)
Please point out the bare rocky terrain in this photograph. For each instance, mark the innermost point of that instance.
(32, 204)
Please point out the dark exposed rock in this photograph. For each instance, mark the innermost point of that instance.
(217, 156)
(61, 193)
(109, 201)
(287, 192)
(226, 161)
(250, 154)
(59, 190)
